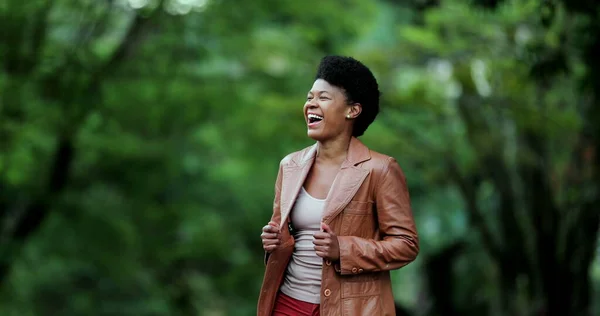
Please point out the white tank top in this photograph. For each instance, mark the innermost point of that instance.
(303, 276)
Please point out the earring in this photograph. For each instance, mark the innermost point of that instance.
(348, 116)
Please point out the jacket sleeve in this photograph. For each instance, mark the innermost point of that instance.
(276, 216)
(399, 244)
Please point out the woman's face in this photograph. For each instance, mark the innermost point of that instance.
(325, 112)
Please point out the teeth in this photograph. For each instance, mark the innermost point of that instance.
(314, 116)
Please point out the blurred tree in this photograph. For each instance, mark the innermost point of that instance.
(517, 145)
(139, 141)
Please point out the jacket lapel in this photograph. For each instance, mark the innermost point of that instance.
(348, 180)
(294, 176)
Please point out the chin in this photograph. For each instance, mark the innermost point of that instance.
(318, 135)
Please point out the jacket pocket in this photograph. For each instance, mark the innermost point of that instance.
(364, 305)
(359, 208)
(358, 219)
(361, 296)
(361, 285)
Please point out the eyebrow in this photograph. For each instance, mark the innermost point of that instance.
(319, 91)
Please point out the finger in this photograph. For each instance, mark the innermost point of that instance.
(321, 254)
(324, 249)
(270, 229)
(322, 242)
(271, 242)
(321, 235)
(270, 248)
(271, 239)
(269, 236)
(325, 228)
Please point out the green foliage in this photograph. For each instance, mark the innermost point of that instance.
(178, 113)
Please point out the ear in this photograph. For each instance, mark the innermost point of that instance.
(354, 110)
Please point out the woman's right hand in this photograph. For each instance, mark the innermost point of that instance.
(270, 237)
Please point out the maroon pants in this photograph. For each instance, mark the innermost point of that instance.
(287, 306)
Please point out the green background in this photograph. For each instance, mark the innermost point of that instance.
(140, 140)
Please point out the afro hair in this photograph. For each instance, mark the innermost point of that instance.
(358, 84)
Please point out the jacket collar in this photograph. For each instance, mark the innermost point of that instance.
(357, 153)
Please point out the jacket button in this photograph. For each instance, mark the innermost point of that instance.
(360, 270)
(354, 270)
(327, 262)
(327, 292)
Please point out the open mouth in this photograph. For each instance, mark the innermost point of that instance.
(314, 119)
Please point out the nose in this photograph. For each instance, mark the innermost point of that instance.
(311, 104)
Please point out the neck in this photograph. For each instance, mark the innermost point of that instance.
(334, 150)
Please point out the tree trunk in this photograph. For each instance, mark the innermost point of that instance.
(440, 279)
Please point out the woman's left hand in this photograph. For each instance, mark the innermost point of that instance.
(326, 244)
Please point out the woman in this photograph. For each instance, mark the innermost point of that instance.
(341, 216)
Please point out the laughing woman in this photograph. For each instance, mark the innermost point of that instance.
(341, 215)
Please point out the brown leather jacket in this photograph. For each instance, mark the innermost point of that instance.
(369, 210)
